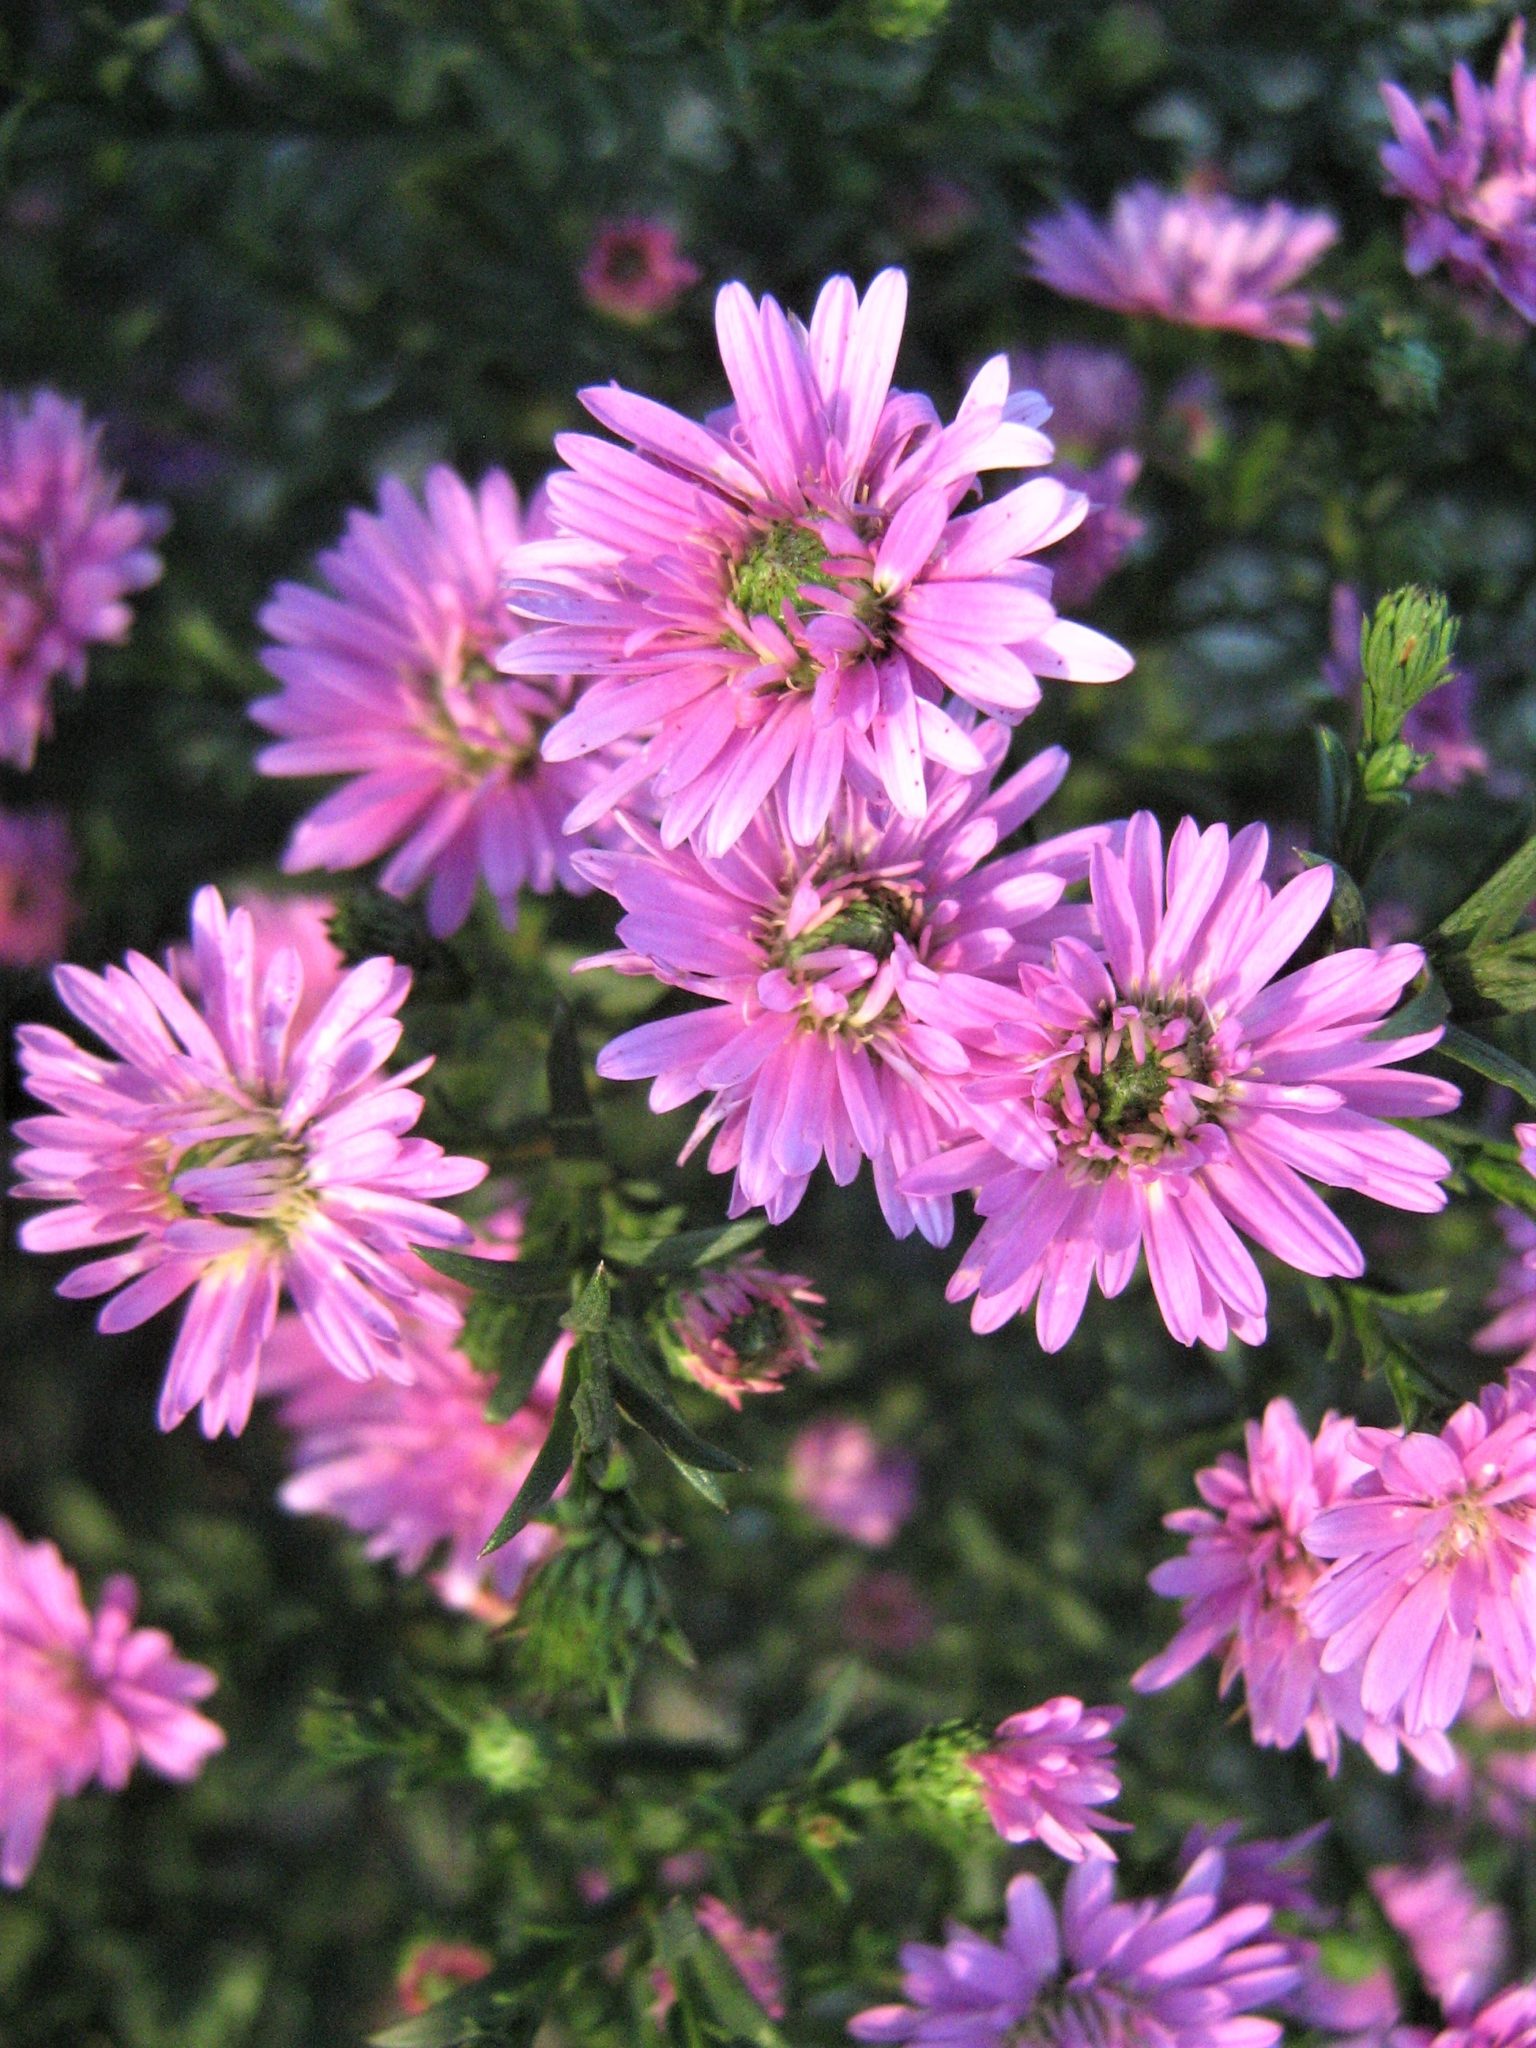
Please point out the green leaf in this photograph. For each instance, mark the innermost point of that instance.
(698, 1479)
(1335, 789)
(501, 1279)
(687, 1250)
(1346, 906)
(548, 1468)
(1423, 1010)
(1491, 912)
(589, 1316)
(1487, 1060)
(786, 1754)
(478, 2016)
(532, 1336)
(652, 1412)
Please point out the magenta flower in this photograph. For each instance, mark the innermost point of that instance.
(70, 553)
(842, 1475)
(1460, 1944)
(1431, 1564)
(825, 968)
(1508, 2021)
(1468, 172)
(237, 1159)
(300, 922)
(37, 906)
(1513, 1327)
(753, 1950)
(1166, 1092)
(1179, 1972)
(635, 271)
(1197, 258)
(437, 1968)
(388, 681)
(742, 1329)
(1046, 1771)
(1245, 1582)
(85, 1696)
(780, 598)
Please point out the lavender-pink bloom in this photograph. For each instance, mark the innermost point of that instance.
(238, 1158)
(71, 551)
(1179, 1972)
(825, 967)
(779, 599)
(37, 859)
(743, 1328)
(1096, 401)
(300, 922)
(387, 680)
(842, 1475)
(634, 270)
(1508, 2021)
(84, 1696)
(1468, 171)
(1513, 1327)
(1047, 1771)
(1460, 1943)
(753, 1950)
(1198, 258)
(1163, 1091)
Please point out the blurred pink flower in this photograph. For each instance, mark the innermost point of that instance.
(753, 1950)
(1045, 1773)
(435, 1969)
(1514, 1298)
(845, 1478)
(635, 271)
(37, 906)
(743, 1328)
(1508, 2021)
(1460, 1943)
(885, 1615)
(1097, 402)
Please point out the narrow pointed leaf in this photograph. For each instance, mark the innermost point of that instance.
(548, 1468)
(1487, 1060)
(500, 1279)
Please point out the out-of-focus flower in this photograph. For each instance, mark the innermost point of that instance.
(71, 551)
(1468, 172)
(1439, 726)
(1175, 1971)
(780, 598)
(436, 1968)
(37, 907)
(935, 211)
(237, 1158)
(1245, 1582)
(1198, 258)
(1508, 2021)
(83, 1696)
(387, 679)
(885, 1615)
(1514, 1298)
(842, 1475)
(1165, 1092)
(753, 1950)
(1495, 1770)
(1097, 401)
(1046, 1772)
(743, 1329)
(824, 966)
(635, 271)
(1460, 1943)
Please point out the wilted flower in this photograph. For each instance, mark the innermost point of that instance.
(70, 553)
(1460, 1943)
(780, 598)
(389, 681)
(84, 1696)
(753, 1950)
(842, 1475)
(634, 270)
(742, 1329)
(1198, 258)
(238, 1158)
(37, 907)
(1047, 1770)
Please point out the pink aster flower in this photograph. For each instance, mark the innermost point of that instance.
(753, 1950)
(1165, 1092)
(885, 1615)
(1198, 258)
(1495, 1772)
(1432, 1564)
(824, 967)
(300, 922)
(1508, 2021)
(1245, 1582)
(236, 1158)
(387, 680)
(635, 270)
(780, 598)
(1513, 1327)
(84, 1696)
(1460, 1944)
(37, 907)
(840, 1473)
(1046, 1771)
(742, 1329)
(1468, 172)
(1178, 1971)
(70, 553)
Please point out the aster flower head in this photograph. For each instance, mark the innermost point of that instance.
(233, 1157)
(37, 859)
(823, 966)
(1460, 1943)
(743, 1328)
(1179, 1971)
(1199, 259)
(1431, 1564)
(634, 270)
(1159, 1089)
(1046, 1773)
(71, 551)
(1507, 2021)
(778, 599)
(841, 1474)
(1468, 172)
(386, 679)
(1245, 1582)
(85, 1696)
(299, 922)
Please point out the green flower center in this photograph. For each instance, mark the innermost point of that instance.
(868, 923)
(773, 570)
(1128, 1092)
(757, 1336)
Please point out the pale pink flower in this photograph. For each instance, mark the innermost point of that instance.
(840, 1473)
(1162, 1090)
(1460, 1943)
(634, 270)
(1508, 2021)
(1495, 1773)
(824, 966)
(300, 922)
(1468, 171)
(743, 1328)
(237, 1159)
(387, 680)
(1245, 1582)
(753, 1950)
(1045, 1773)
(83, 1696)
(780, 598)
(71, 551)
(1198, 258)
(37, 906)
